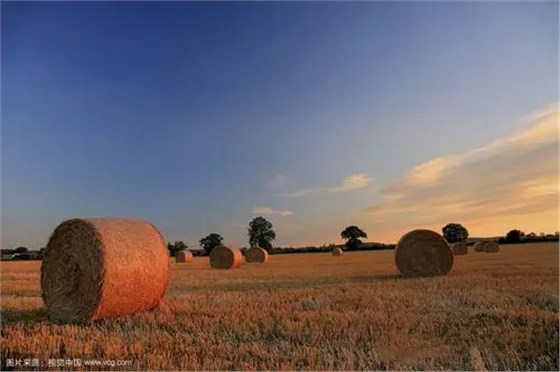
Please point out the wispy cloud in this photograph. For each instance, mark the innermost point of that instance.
(513, 176)
(295, 194)
(355, 181)
(280, 181)
(271, 212)
(352, 182)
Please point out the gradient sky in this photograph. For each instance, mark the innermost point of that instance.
(200, 116)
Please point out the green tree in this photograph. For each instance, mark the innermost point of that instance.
(210, 242)
(353, 234)
(455, 232)
(176, 247)
(21, 250)
(531, 237)
(261, 233)
(514, 236)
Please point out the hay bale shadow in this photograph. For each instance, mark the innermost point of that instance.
(13, 316)
(373, 278)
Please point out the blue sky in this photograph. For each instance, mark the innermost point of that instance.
(200, 116)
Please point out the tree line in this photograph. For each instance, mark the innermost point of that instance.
(455, 232)
(518, 236)
(261, 234)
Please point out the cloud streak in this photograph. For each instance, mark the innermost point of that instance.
(271, 212)
(352, 182)
(510, 177)
(355, 181)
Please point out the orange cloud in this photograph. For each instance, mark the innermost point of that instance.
(511, 182)
(352, 182)
(271, 212)
(355, 181)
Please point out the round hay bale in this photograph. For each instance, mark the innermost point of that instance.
(256, 255)
(183, 257)
(226, 257)
(491, 247)
(423, 253)
(337, 252)
(460, 248)
(103, 267)
(479, 246)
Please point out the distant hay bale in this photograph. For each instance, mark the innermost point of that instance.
(184, 257)
(479, 246)
(460, 248)
(491, 247)
(226, 257)
(256, 255)
(103, 267)
(337, 252)
(423, 253)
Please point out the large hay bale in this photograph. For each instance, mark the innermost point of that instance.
(183, 257)
(479, 246)
(226, 257)
(423, 253)
(337, 252)
(460, 248)
(101, 268)
(256, 255)
(491, 247)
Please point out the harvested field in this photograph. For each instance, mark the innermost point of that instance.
(310, 312)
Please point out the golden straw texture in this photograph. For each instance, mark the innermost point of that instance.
(256, 255)
(423, 253)
(337, 252)
(460, 248)
(101, 268)
(223, 257)
(184, 256)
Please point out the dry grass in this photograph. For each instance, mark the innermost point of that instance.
(310, 312)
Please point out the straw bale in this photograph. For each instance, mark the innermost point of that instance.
(103, 267)
(226, 257)
(184, 256)
(460, 248)
(337, 251)
(491, 247)
(256, 255)
(423, 253)
(479, 246)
